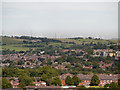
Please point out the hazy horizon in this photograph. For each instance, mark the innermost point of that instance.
(61, 19)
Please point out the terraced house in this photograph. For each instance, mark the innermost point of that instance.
(86, 79)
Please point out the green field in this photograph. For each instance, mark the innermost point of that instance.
(80, 41)
(9, 40)
(12, 43)
(12, 47)
(96, 87)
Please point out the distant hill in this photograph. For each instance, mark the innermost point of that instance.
(11, 40)
(24, 43)
(116, 39)
(85, 41)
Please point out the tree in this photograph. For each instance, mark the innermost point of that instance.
(76, 80)
(25, 80)
(44, 77)
(20, 62)
(22, 85)
(89, 37)
(56, 81)
(12, 64)
(49, 62)
(95, 65)
(0, 83)
(119, 82)
(106, 86)
(69, 80)
(41, 59)
(59, 60)
(6, 83)
(82, 86)
(113, 85)
(97, 53)
(95, 80)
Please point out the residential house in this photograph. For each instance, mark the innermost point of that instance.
(88, 67)
(15, 83)
(104, 78)
(63, 82)
(40, 83)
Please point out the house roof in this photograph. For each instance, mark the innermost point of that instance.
(63, 82)
(39, 82)
(43, 87)
(89, 76)
(101, 76)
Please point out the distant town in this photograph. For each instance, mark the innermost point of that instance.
(35, 62)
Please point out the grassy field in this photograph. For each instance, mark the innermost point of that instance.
(8, 40)
(95, 87)
(12, 47)
(80, 41)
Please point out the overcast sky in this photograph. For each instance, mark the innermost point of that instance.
(66, 19)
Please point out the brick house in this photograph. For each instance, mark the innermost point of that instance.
(86, 79)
